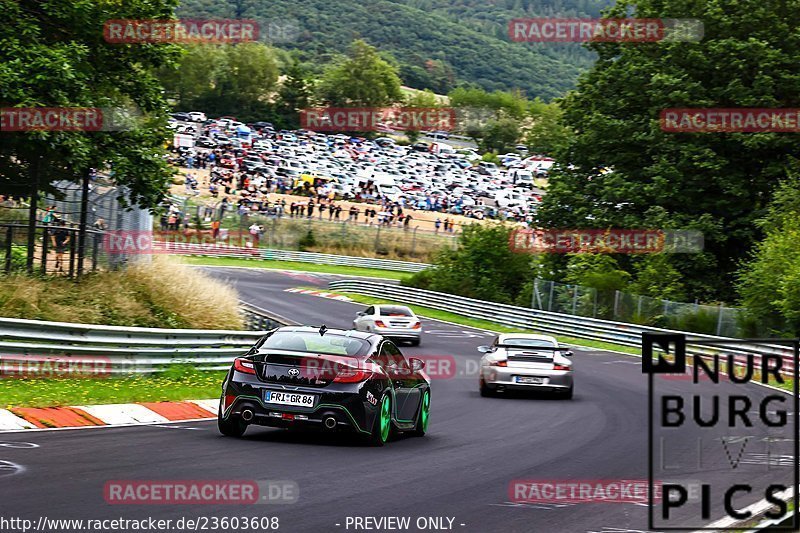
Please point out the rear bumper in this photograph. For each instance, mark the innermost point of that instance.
(284, 416)
(399, 333)
(343, 402)
(506, 378)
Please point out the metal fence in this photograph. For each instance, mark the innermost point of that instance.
(108, 209)
(219, 250)
(557, 323)
(625, 307)
(35, 347)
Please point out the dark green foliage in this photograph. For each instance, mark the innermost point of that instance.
(717, 183)
(482, 267)
(769, 283)
(307, 241)
(438, 45)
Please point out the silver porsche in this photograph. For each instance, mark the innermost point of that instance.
(521, 361)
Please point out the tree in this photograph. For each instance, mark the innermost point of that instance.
(247, 77)
(500, 135)
(296, 93)
(769, 283)
(234, 79)
(546, 134)
(361, 78)
(482, 267)
(54, 55)
(196, 77)
(717, 183)
(426, 99)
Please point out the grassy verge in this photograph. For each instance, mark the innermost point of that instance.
(291, 265)
(182, 384)
(162, 293)
(492, 326)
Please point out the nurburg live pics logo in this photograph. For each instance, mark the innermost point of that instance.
(736, 436)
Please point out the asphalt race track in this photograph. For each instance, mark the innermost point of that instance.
(461, 470)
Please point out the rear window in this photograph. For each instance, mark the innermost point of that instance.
(528, 343)
(394, 310)
(313, 342)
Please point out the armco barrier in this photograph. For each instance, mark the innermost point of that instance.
(131, 350)
(218, 250)
(554, 323)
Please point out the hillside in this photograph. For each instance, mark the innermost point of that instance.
(438, 43)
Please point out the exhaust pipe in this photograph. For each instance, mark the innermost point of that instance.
(330, 422)
(247, 415)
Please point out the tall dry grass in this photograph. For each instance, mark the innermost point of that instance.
(159, 294)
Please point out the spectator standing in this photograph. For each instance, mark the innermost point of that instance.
(437, 224)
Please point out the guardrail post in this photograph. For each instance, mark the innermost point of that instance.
(44, 250)
(575, 300)
(9, 240)
(719, 319)
(550, 303)
(616, 303)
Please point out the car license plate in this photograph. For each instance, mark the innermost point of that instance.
(529, 380)
(289, 398)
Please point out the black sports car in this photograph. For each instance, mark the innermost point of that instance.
(327, 379)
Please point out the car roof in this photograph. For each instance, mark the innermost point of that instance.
(501, 338)
(381, 306)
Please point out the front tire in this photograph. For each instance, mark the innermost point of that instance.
(232, 427)
(382, 426)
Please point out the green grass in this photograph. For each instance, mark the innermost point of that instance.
(175, 384)
(291, 265)
(492, 326)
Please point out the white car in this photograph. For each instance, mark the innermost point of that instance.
(526, 362)
(197, 116)
(394, 321)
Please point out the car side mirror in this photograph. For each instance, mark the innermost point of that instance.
(568, 353)
(485, 349)
(416, 364)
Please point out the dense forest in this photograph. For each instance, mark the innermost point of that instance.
(438, 44)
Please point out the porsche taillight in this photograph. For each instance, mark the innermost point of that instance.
(502, 363)
(561, 367)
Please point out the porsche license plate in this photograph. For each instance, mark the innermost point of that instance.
(527, 380)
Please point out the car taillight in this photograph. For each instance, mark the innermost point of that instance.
(380, 324)
(417, 325)
(500, 363)
(348, 374)
(244, 365)
(561, 367)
